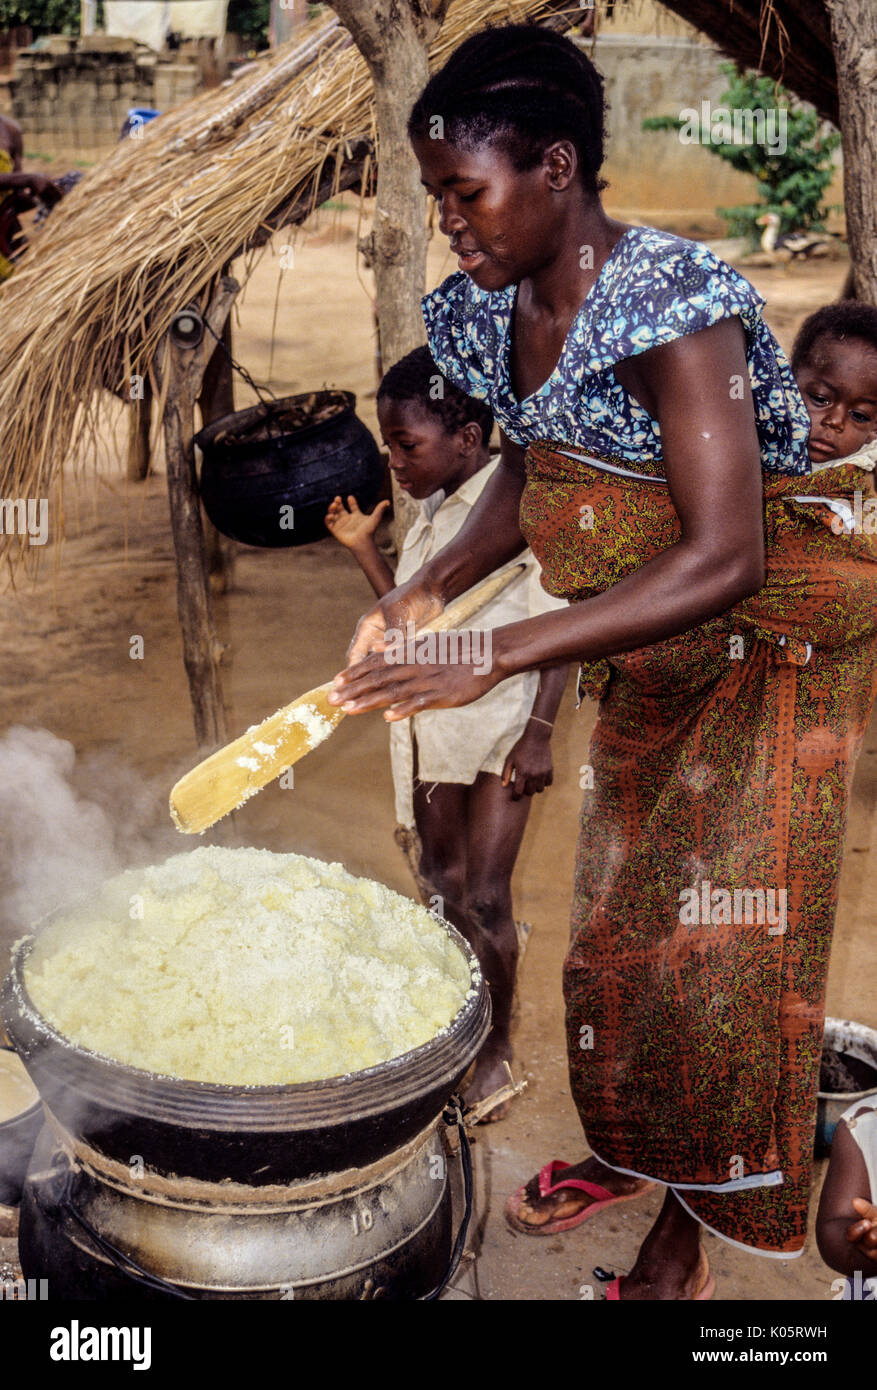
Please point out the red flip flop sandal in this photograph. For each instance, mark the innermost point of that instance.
(706, 1290)
(603, 1198)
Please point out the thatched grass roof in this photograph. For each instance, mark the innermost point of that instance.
(150, 228)
(787, 39)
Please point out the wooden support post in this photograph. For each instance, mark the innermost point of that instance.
(139, 421)
(185, 367)
(217, 399)
(854, 40)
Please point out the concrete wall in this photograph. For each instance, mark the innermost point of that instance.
(79, 91)
(652, 175)
(650, 171)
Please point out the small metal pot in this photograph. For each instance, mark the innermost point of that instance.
(843, 1040)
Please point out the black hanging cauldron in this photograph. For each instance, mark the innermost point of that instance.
(269, 473)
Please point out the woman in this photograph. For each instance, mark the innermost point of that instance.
(653, 442)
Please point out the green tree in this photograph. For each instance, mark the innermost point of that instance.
(42, 16)
(791, 183)
(250, 19)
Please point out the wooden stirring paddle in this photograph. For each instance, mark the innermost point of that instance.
(233, 774)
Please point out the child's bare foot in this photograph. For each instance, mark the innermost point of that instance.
(537, 1211)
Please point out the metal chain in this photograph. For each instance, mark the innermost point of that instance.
(242, 371)
(275, 430)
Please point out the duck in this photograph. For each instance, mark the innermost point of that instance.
(793, 244)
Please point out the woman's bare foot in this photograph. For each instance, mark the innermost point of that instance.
(671, 1264)
(538, 1211)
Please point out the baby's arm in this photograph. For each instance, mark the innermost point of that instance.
(847, 1238)
(357, 532)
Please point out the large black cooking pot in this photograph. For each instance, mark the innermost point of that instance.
(298, 453)
(255, 1134)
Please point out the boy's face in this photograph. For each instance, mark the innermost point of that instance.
(423, 456)
(838, 382)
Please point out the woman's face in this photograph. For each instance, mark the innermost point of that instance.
(503, 225)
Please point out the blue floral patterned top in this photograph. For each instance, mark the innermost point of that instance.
(653, 288)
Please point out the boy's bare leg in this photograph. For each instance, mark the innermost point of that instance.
(496, 827)
(441, 818)
(471, 837)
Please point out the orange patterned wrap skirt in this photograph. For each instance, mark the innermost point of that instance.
(711, 840)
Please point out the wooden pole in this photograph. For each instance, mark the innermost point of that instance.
(202, 651)
(217, 399)
(393, 37)
(139, 420)
(854, 40)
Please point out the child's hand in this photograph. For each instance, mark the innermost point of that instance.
(529, 763)
(863, 1234)
(352, 528)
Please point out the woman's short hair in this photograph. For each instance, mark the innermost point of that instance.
(416, 378)
(848, 318)
(518, 87)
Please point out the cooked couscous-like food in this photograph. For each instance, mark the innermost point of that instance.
(245, 967)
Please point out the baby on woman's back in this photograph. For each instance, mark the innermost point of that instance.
(834, 360)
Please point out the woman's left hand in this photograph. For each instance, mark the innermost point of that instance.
(375, 683)
(528, 768)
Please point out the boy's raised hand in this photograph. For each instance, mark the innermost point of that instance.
(351, 527)
(863, 1233)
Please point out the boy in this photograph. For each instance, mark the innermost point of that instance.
(463, 777)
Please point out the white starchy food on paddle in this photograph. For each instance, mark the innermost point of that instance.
(315, 726)
(248, 968)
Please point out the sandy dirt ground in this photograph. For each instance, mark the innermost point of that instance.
(65, 643)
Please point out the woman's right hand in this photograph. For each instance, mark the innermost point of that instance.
(413, 602)
(38, 186)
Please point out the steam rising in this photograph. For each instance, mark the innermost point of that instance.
(66, 824)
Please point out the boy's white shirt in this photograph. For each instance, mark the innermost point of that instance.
(454, 745)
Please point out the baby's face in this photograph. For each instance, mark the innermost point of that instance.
(839, 385)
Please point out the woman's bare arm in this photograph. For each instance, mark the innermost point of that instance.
(713, 466)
